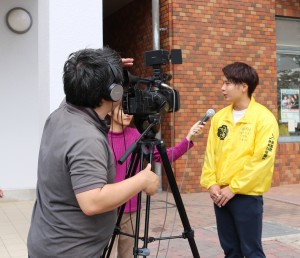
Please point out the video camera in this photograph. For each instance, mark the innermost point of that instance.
(147, 97)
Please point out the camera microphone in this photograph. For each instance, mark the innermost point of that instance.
(209, 113)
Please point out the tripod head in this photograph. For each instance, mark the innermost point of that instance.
(152, 123)
(151, 120)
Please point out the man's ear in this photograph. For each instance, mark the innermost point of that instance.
(245, 87)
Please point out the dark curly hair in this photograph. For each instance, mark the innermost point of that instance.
(87, 76)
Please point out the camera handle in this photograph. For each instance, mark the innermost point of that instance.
(137, 158)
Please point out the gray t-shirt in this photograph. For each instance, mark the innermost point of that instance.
(74, 157)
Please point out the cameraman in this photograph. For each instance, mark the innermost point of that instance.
(75, 210)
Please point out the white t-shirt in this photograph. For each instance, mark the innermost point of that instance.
(238, 114)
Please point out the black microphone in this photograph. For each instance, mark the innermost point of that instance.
(209, 113)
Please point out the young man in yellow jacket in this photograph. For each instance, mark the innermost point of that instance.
(239, 163)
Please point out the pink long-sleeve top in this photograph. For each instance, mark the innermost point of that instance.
(121, 141)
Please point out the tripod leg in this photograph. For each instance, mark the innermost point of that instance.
(134, 161)
(137, 226)
(144, 251)
(188, 232)
(146, 230)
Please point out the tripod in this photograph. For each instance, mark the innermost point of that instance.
(138, 149)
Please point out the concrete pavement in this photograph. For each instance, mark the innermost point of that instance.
(281, 225)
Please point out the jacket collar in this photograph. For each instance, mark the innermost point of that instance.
(89, 114)
(247, 118)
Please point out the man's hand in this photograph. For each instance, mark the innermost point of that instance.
(224, 197)
(153, 181)
(127, 62)
(111, 196)
(214, 192)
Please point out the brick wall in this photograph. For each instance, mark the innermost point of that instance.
(287, 167)
(289, 8)
(211, 34)
(129, 31)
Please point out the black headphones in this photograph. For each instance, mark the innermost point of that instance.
(115, 90)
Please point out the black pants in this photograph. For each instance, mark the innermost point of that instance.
(239, 225)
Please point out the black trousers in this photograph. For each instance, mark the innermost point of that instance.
(239, 225)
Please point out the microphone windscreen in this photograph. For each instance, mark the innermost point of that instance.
(210, 113)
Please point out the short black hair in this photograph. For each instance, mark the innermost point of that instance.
(87, 76)
(239, 72)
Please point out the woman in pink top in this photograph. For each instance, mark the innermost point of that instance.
(121, 137)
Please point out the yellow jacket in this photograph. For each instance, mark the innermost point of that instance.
(241, 156)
